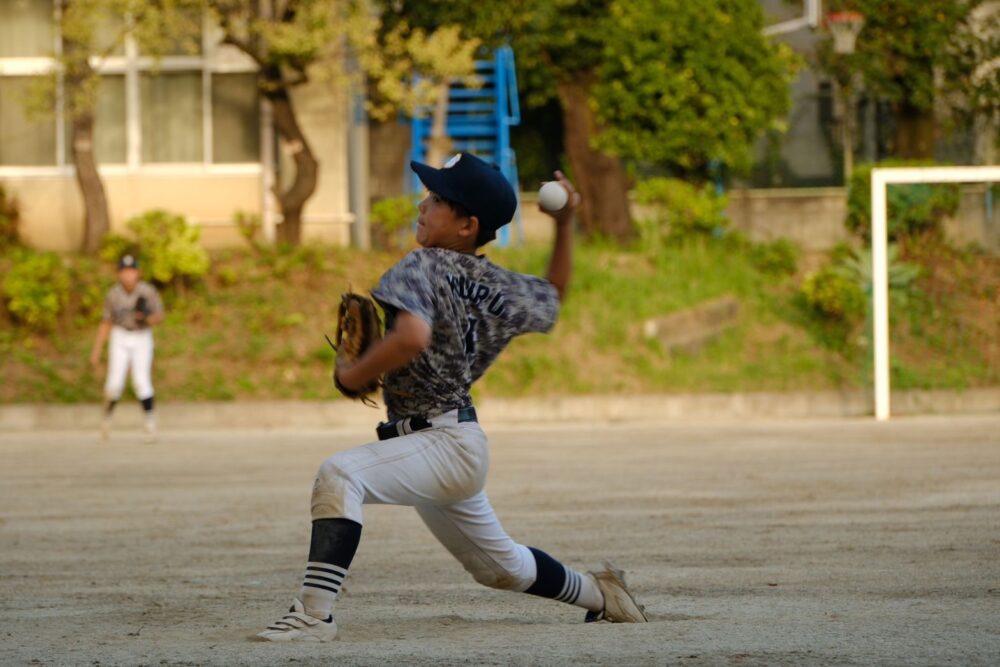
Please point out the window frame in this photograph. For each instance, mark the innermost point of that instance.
(215, 59)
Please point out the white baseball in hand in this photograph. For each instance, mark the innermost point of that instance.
(553, 196)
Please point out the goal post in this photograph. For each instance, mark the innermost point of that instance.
(882, 178)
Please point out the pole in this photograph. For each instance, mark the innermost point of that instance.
(847, 133)
(880, 294)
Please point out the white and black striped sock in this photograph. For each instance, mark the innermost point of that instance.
(557, 581)
(320, 588)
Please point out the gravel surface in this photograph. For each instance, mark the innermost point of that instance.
(764, 543)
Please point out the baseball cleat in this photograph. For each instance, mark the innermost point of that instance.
(620, 606)
(297, 625)
(150, 432)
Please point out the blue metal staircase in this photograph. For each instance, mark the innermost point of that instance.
(479, 122)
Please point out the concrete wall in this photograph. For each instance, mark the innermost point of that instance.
(811, 217)
(52, 208)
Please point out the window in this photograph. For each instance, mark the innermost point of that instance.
(27, 28)
(110, 145)
(198, 104)
(23, 140)
(235, 118)
(171, 117)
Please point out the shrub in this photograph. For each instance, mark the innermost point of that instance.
(912, 209)
(390, 217)
(166, 245)
(682, 209)
(833, 296)
(10, 215)
(249, 226)
(777, 258)
(36, 288)
(857, 266)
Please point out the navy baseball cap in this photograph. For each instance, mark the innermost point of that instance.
(476, 185)
(128, 262)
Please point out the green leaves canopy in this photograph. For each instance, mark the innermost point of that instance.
(682, 84)
(910, 50)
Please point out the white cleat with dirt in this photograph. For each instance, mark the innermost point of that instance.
(620, 606)
(297, 625)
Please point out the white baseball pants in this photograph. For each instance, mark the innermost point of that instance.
(440, 472)
(129, 350)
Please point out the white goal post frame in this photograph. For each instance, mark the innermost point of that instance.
(881, 179)
(812, 13)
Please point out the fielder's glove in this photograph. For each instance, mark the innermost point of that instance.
(358, 328)
(141, 311)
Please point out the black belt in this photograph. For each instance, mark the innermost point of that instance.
(407, 425)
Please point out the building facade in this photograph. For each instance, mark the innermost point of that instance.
(187, 132)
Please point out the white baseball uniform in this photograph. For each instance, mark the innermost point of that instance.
(130, 346)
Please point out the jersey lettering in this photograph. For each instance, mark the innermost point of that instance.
(470, 337)
(477, 293)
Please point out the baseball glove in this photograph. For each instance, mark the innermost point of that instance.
(358, 328)
(141, 311)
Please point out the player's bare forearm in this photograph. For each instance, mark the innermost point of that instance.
(102, 337)
(409, 337)
(561, 262)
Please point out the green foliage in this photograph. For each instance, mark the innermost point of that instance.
(696, 87)
(911, 51)
(36, 288)
(390, 217)
(167, 247)
(249, 227)
(681, 210)
(10, 215)
(857, 266)
(912, 209)
(775, 258)
(838, 295)
(90, 285)
(833, 296)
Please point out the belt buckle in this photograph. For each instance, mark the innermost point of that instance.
(404, 426)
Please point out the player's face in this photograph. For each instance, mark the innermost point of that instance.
(129, 278)
(438, 226)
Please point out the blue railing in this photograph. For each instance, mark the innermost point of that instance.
(479, 122)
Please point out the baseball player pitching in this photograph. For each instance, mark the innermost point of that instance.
(131, 308)
(449, 312)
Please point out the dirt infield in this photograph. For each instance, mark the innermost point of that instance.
(796, 543)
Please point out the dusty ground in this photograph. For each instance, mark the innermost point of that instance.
(797, 543)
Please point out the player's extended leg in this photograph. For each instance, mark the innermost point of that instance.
(114, 381)
(142, 377)
(432, 466)
(471, 531)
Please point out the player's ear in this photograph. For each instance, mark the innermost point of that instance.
(470, 228)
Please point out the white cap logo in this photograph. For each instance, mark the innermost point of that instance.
(453, 161)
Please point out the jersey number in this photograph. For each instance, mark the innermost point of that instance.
(470, 337)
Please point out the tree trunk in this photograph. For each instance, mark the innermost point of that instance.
(96, 222)
(438, 144)
(304, 182)
(599, 178)
(388, 148)
(915, 129)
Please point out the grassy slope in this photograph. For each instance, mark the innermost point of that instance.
(254, 330)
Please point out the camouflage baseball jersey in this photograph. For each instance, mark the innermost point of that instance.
(119, 305)
(474, 309)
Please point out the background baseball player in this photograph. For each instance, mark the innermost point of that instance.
(449, 312)
(131, 308)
